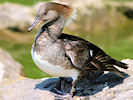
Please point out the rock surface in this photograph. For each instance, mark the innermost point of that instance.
(8, 67)
(105, 87)
(15, 15)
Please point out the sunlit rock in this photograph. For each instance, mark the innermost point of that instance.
(105, 87)
(15, 15)
(8, 67)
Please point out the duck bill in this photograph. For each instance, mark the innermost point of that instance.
(37, 20)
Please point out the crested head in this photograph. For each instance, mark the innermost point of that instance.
(51, 11)
(61, 9)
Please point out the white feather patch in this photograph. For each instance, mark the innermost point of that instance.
(91, 53)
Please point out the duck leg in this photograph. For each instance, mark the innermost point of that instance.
(73, 90)
(59, 87)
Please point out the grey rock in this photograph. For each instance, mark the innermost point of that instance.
(15, 15)
(24, 89)
(108, 86)
(9, 68)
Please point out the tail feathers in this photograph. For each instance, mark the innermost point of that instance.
(103, 62)
(106, 60)
(115, 70)
(120, 64)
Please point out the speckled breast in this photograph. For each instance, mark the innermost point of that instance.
(52, 60)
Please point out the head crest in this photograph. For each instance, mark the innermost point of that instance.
(66, 10)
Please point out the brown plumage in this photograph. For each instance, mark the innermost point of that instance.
(65, 55)
(78, 50)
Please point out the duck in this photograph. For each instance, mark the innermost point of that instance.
(63, 55)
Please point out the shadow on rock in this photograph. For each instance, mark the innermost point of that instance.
(51, 84)
(85, 86)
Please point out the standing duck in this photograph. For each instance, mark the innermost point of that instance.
(64, 55)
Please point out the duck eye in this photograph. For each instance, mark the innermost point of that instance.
(45, 13)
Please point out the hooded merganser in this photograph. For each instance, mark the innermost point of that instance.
(64, 55)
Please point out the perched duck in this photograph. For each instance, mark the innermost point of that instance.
(64, 55)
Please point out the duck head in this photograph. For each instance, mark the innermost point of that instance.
(51, 11)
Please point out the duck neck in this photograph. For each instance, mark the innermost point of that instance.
(54, 28)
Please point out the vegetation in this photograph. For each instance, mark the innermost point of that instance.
(31, 2)
(24, 2)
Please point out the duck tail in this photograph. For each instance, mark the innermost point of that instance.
(119, 63)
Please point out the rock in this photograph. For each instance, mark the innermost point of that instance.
(129, 62)
(82, 4)
(15, 15)
(8, 67)
(23, 89)
(105, 87)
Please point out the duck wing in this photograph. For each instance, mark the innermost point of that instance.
(87, 56)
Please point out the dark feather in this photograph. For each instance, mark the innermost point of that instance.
(78, 51)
